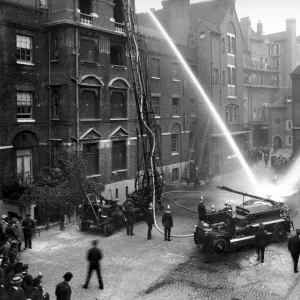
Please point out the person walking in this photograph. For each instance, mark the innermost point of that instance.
(94, 256)
(207, 248)
(28, 228)
(294, 248)
(149, 217)
(63, 290)
(167, 221)
(63, 209)
(266, 159)
(261, 242)
(129, 218)
(202, 210)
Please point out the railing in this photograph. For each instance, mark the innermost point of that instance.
(231, 91)
(86, 19)
(259, 66)
(119, 27)
(257, 81)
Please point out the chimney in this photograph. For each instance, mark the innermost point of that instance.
(260, 29)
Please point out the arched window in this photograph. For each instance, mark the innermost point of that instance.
(175, 139)
(215, 76)
(231, 42)
(231, 114)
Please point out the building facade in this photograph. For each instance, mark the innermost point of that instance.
(295, 76)
(268, 60)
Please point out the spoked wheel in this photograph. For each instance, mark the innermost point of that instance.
(220, 246)
(109, 228)
(280, 233)
(83, 225)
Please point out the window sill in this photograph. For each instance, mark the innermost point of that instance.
(156, 78)
(193, 116)
(176, 80)
(54, 60)
(157, 117)
(118, 119)
(192, 150)
(118, 171)
(232, 97)
(176, 116)
(93, 176)
(91, 63)
(26, 121)
(175, 153)
(19, 62)
(55, 119)
(90, 120)
(118, 67)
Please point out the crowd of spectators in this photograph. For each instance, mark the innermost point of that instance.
(15, 280)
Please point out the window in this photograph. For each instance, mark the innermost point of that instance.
(289, 125)
(155, 105)
(43, 4)
(228, 44)
(277, 49)
(245, 93)
(24, 103)
(176, 72)
(91, 158)
(175, 106)
(262, 65)
(191, 140)
(277, 63)
(277, 121)
(88, 50)
(175, 174)
(229, 75)
(24, 48)
(118, 103)
(117, 193)
(231, 114)
(55, 103)
(233, 78)
(289, 140)
(89, 103)
(85, 6)
(118, 11)
(215, 76)
(174, 143)
(193, 108)
(117, 55)
(223, 77)
(54, 48)
(155, 67)
(223, 44)
(24, 164)
(119, 161)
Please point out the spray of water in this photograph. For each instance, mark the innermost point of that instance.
(208, 102)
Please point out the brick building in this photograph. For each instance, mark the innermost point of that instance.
(268, 61)
(295, 76)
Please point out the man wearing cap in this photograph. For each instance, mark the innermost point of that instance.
(129, 218)
(149, 217)
(202, 210)
(94, 256)
(261, 242)
(63, 290)
(16, 292)
(294, 248)
(20, 232)
(28, 227)
(167, 221)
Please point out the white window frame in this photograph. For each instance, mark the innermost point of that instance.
(289, 124)
(25, 103)
(289, 140)
(230, 116)
(175, 139)
(24, 160)
(24, 44)
(175, 174)
(176, 108)
(155, 103)
(176, 72)
(277, 46)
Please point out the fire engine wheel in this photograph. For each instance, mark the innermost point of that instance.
(109, 228)
(83, 226)
(220, 246)
(280, 233)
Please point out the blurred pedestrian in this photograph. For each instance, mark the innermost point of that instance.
(63, 290)
(294, 248)
(20, 231)
(207, 248)
(27, 284)
(28, 228)
(149, 217)
(202, 209)
(63, 210)
(94, 256)
(167, 221)
(129, 218)
(261, 242)
(266, 158)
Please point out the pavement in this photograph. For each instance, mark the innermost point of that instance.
(136, 268)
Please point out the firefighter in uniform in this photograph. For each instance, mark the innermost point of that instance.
(129, 218)
(294, 248)
(149, 214)
(213, 209)
(202, 210)
(28, 227)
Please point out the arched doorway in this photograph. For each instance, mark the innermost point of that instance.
(277, 140)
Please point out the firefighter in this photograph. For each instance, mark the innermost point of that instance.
(202, 209)
(230, 224)
(213, 209)
(149, 217)
(167, 221)
(129, 218)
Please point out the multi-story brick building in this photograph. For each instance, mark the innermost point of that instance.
(268, 61)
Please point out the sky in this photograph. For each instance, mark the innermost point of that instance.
(272, 13)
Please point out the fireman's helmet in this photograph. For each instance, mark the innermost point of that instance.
(226, 204)
(201, 199)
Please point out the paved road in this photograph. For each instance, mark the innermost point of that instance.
(135, 268)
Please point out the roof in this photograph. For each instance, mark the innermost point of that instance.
(277, 35)
(296, 71)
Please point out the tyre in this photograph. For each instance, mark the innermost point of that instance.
(220, 246)
(109, 228)
(83, 225)
(280, 233)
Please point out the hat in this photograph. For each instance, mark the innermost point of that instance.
(262, 226)
(4, 217)
(298, 231)
(150, 206)
(168, 208)
(68, 275)
(14, 219)
(226, 204)
(36, 281)
(213, 206)
(16, 280)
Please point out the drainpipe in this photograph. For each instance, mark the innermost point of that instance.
(211, 99)
(77, 91)
(49, 94)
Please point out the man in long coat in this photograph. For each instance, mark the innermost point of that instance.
(63, 290)
(28, 227)
(202, 210)
(149, 217)
(129, 218)
(167, 221)
(294, 248)
(261, 242)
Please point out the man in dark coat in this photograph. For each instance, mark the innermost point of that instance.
(149, 217)
(207, 248)
(202, 210)
(94, 256)
(261, 242)
(129, 218)
(63, 210)
(167, 221)
(28, 228)
(63, 290)
(294, 248)
(15, 291)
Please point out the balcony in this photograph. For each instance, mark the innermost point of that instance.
(86, 19)
(255, 65)
(120, 27)
(256, 82)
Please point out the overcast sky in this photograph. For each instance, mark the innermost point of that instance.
(272, 13)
